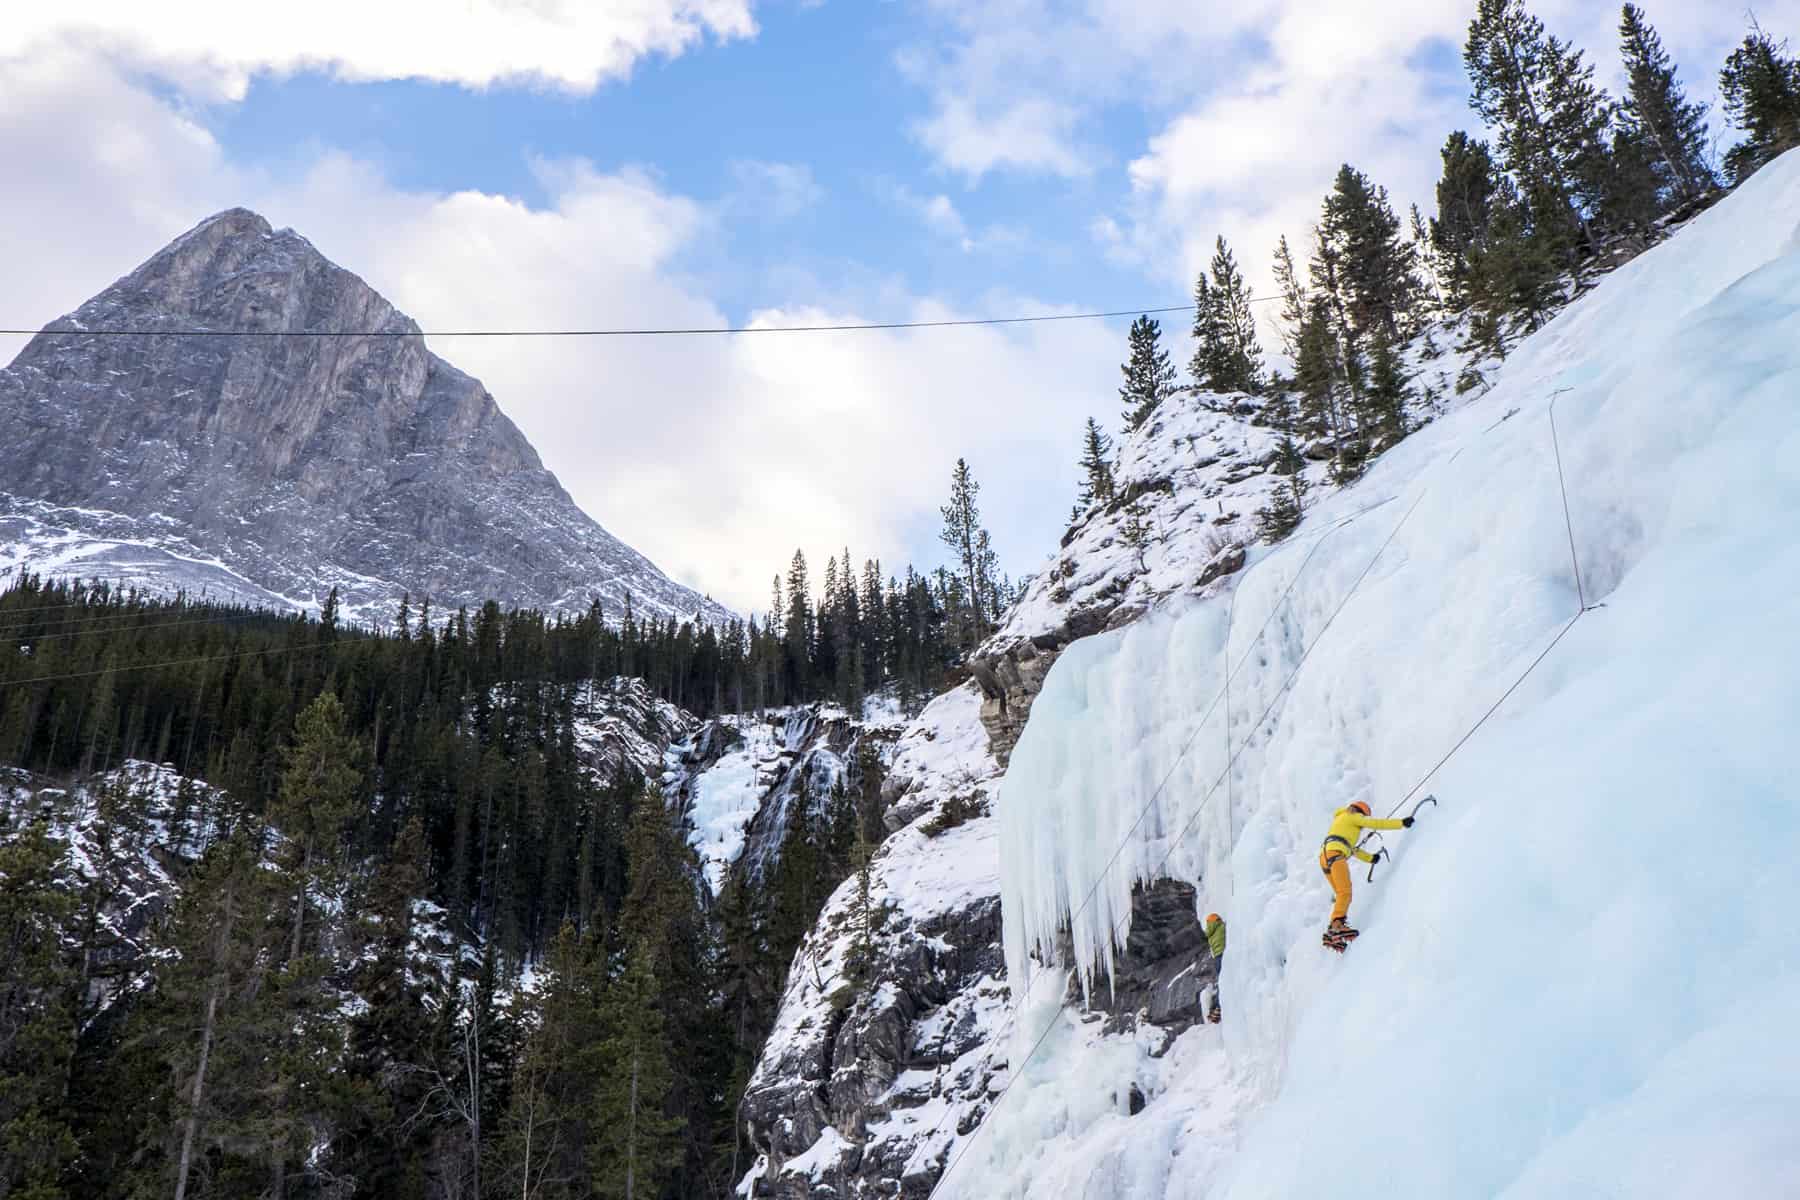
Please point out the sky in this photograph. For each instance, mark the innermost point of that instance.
(560, 163)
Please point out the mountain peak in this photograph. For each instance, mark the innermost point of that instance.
(234, 222)
(291, 464)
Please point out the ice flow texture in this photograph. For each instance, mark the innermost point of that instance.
(1576, 975)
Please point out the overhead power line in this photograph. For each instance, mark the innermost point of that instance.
(849, 327)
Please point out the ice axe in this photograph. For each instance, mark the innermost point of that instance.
(1383, 853)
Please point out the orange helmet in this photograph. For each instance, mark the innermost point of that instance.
(1211, 917)
(1360, 807)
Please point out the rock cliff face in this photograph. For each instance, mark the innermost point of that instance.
(275, 465)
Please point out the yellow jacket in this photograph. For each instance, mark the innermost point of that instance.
(1348, 824)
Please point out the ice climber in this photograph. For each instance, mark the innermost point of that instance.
(1215, 941)
(1347, 825)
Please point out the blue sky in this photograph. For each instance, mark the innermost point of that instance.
(690, 162)
(819, 92)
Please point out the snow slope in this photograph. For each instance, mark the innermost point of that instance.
(1575, 978)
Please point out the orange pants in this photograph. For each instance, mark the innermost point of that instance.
(1337, 869)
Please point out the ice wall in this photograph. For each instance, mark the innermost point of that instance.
(1575, 977)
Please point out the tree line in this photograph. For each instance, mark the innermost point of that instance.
(1573, 180)
(417, 949)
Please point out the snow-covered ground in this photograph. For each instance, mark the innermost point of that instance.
(1196, 474)
(1576, 977)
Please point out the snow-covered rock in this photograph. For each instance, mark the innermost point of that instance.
(865, 1081)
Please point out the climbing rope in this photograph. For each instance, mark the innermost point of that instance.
(1581, 598)
(1280, 694)
(1115, 933)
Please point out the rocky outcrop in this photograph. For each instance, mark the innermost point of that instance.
(623, 729)
(875, 1067)
(886, 1055)
(1164, 967)
(290, 461)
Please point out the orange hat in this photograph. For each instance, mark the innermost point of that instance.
(1360, 807)
(1211, 917)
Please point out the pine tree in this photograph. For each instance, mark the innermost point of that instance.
(37, 1019)
(1385, 400)
(320, 781)
(1316, 373)
(1362, 261)
(1239, 368)
(1658, 113)
(1211, 350)
(1138, 532)
(1096, 467)
(1282, 514)
(1420, 247)
(1516, 274)
(1293, 298)
(544, 1139)
(634, 1142)
(1550, 119)
(798, 631)
(1467, 194)
(210, 1016)
(867, 914)
(392, 1048)
(1149, 377)
(968, 541)
(1760, 87)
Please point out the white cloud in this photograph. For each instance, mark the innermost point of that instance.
(214, 47)
(1012, 83)
(773, 191)
(1028, 134)
(715, 456)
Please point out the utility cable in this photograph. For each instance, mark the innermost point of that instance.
(38, 639)
(152, 666)
(679, 331)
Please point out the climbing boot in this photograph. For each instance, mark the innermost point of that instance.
(1214, 1016)
(1339, 935)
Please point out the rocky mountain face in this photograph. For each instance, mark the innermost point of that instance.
(266, 467)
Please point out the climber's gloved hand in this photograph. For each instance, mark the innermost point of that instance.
(1406, 822)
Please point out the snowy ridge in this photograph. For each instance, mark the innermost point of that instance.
(164, 821)
(1561, 876)
(1197, 471)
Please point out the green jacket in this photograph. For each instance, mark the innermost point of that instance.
(1215, 937)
